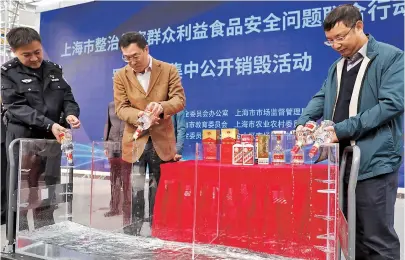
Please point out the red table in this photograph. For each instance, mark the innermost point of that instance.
(265, 208)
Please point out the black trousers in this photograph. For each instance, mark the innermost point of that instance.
(376, 238)
(149, 159)
(120, 179)
(42, 162)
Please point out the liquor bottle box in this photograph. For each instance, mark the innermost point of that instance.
(229, 137)
(262, 147)
(210, 141)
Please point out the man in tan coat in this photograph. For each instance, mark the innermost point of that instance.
(146, 83)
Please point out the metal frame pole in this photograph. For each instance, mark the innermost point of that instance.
(12, 196)
(351, 197)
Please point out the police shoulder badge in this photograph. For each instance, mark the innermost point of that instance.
(53, 79)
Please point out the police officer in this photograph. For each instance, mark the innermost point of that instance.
(35, 96)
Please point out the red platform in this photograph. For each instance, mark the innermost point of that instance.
(265, 208)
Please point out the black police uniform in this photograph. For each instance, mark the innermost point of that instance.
(35, 99)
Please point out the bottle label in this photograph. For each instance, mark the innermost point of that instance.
(298, 157)
(310, 125)
(278, 157)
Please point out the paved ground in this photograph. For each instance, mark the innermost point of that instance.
(91, 212)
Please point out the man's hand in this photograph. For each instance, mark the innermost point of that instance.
(155, 119)
(73, 121)
(177, 157)
(56, 130)
(155, 108)
(334, 138)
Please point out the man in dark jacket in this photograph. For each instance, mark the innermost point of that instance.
(364, 95)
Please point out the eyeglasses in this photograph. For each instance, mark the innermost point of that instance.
(339, 39)
(135, 57)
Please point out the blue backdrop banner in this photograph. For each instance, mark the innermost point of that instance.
(247, 65)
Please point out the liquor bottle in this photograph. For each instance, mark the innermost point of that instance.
(237, 154)
(321, 137)
(278, 153)
(248, 154)
(305, 137)
(144, 122)
(67, 145)
(297, 157)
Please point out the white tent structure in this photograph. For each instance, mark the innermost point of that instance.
(15, 13)
(46, 5)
